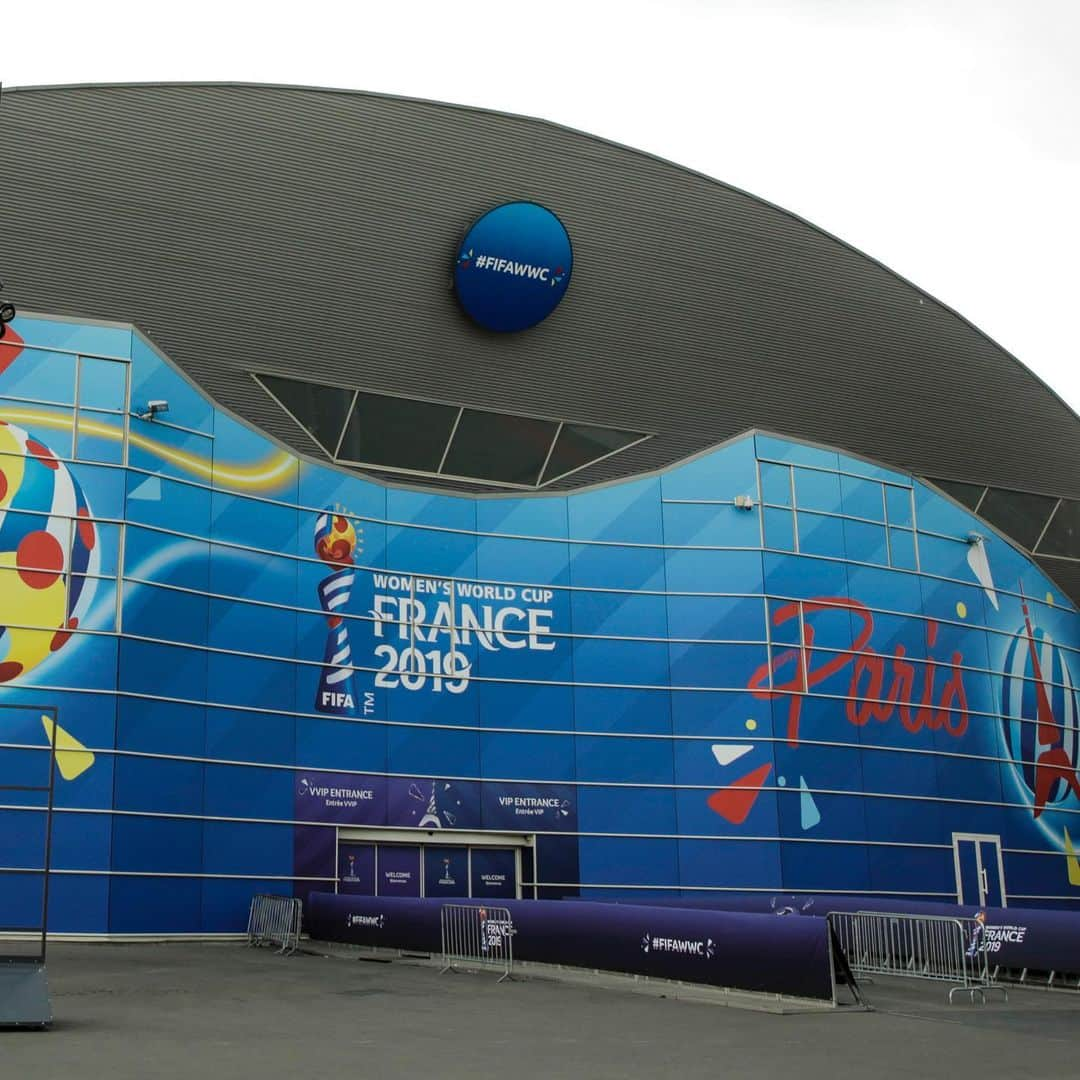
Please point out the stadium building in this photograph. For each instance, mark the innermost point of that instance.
(407, 499)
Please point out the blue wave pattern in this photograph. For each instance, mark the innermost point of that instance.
(809, 694)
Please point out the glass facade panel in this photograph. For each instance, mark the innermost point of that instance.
(965, 494)
(865, 542)
(397, 433)
(403, 434)
(902, 549)
(816, 489)
(775, 484)
(898, 505)
(99, 437)
(495, 446)
(1062, 536)
(1018, 514)
(102, 383)
(321, 410)
(862, 498)
(578, 444)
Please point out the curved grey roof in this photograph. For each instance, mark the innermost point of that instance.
(302, 231)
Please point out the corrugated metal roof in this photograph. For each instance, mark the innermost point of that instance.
(300, 231)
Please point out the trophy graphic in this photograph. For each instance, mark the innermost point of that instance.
(335, 544)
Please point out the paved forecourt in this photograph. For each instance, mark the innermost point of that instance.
(137, 1012)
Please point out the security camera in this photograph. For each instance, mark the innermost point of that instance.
(154, 408)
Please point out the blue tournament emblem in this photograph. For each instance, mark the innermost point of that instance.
(513, 267)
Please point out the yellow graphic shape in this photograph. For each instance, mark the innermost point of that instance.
(28, 612)
(1071, 861)
(961, 609)
(72, 758)
(12, 464)
(751, 724)
(1050, 598)
(263, 475)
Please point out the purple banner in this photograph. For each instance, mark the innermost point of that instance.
(720, 948)
(1038, 939)
(362, 799)
(341, 798)
(529, 807)
(433, 804)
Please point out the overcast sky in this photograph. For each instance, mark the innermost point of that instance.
(941, 137)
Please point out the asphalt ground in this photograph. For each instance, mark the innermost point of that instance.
(140, 1012)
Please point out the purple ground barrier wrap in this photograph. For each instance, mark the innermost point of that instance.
(1040, 939)
(719, 948)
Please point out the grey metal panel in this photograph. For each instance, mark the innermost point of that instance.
(24, 995)
(304, 231)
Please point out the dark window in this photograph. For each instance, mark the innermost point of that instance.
(1018, 514)
(320, 409)
(406, 436)
(1062, 536)
(494, 446)
(1065, 573)
(965, 494)
(578, 444)
(397, 433)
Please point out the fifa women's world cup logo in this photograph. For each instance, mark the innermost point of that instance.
(336, 544)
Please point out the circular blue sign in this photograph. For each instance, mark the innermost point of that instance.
(514, 267)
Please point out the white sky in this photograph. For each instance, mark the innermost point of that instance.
(940, 136)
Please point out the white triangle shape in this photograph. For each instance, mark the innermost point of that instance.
(979, 562)
(726, 753)
(149, 490)
(809, 814)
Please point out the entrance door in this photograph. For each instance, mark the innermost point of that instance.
(992, 872)
(397, 870)
(356, 869)
(448, 864)
(980, 874)
(446, 871)
(494, 873)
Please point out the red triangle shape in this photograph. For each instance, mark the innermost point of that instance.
(735, 802)
(10, 347)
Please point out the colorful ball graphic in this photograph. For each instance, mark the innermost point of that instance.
(1041, 717)
(335, 539)
(48, 553)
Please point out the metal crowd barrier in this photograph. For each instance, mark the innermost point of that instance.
(275, 920)
(24, 990)
(916, 946)
(477, 936)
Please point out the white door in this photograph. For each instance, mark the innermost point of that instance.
(980, 872)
